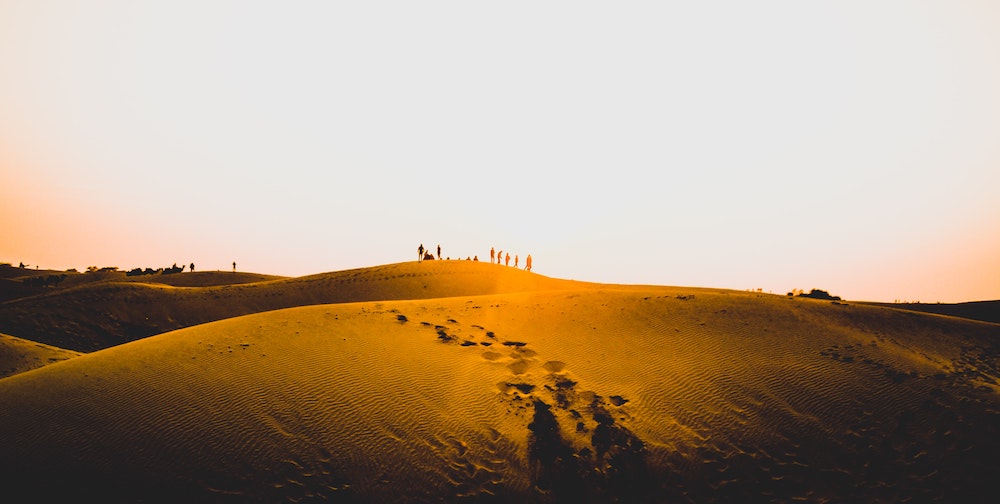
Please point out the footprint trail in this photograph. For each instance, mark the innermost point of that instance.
(579, 447)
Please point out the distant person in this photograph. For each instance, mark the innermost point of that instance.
(515, 260)
(527, 263)
(234, 266)
(420, 252)
(439, 250)
(492, 255)
(499, 256)
(506, 259)
(475, 259)
(192, 267)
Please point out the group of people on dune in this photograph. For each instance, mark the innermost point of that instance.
(500, 256)
(424, 254)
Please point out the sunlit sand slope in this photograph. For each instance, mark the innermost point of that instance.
(18, 355)
(99, 315)
(596, 394)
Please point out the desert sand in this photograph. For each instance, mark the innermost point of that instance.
(18, 355)
(100, 310)
(460, 381)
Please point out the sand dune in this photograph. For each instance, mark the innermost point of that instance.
(102, 314)
(592, 393)
(18, 355)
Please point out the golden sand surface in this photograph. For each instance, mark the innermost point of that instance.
(537, 390)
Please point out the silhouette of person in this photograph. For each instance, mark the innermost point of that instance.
(515, 260)
(475, 259)
(527, 263)
(234, 266)
(492, 254)
(420, 253)
(439, 250)
(499, 256)
(506, 259)
(192, 267)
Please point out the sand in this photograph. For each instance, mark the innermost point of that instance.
(110, 310)
(986, 311)
(18, 355)
(545, 392)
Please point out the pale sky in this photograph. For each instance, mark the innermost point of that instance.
(851, 146)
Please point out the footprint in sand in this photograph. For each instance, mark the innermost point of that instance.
(509, 387)
(557, 389)
(575, 437)
(554, 366)
(519, 366)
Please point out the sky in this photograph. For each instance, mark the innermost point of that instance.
(850, 146)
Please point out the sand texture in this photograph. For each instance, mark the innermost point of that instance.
(547, 392)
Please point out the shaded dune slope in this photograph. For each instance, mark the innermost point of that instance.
(13, 289)
(18, 355)
(987, 311)
(593, 394)
(99, 315)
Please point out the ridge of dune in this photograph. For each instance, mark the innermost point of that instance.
(18, 355)
(593, 393)
(99, 315)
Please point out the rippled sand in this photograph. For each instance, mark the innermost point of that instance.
(583, 392)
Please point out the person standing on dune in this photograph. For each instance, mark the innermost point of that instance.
(527, 263)
(439, 251)
(515, 260)
(420, 253)
(492, 254)
(234, 266)
(506, 259)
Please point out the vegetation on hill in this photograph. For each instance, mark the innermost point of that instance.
(814, 294)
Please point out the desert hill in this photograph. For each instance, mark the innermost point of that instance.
(100, 314)
(580, 393)
(16, 283)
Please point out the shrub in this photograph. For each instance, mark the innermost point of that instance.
(173, 269)
(44, 281)
(820, 294)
